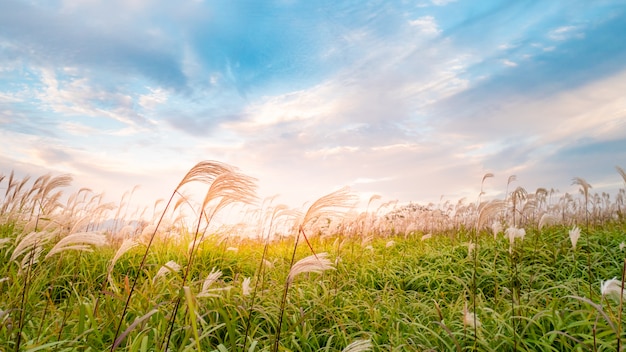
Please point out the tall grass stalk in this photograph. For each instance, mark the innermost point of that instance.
(329, 206)
(205, 172)
(226, 188)
(584, 189)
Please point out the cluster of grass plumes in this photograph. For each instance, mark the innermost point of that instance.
(496, 275)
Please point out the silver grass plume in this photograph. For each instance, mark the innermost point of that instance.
(31, 242)
(245, 286)
(612, 289)
(213, 276)
(547, 219)
(574, 235)
(81, 241)
(487, 210)
(330, 205)
(358, 346)
(311, 264)
(127, 245)
(621, 172)
(170, 266)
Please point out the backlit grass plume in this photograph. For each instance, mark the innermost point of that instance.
(358, 346)
(329, 206)
(488, 210)
(470, 319)
(168, 267)
(213, 276)
(126, 246)
(612, 289)
(31, 243)
(574, 234)
(81, 241)
(204, 172)
(311, 264)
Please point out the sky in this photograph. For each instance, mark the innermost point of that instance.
(409, 100)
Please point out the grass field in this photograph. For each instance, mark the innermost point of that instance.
(531, 272)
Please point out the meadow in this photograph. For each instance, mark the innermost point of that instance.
(535, 271)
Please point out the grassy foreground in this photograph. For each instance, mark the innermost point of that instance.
(500, 275)
(405, 295)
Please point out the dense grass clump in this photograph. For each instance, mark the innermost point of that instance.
(328, 281)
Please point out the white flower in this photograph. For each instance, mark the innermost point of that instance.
(425, 237)
(390, 244)
(574, 234)
(621, 246)
(612, 289)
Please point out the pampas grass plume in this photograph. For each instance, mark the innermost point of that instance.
(358, 346)
(81, 241)
(574, 235)
(311, 264)
(612, 289)
(496, 228)
(245, 287)
(170, 266)
(213, 276)
(30, 242)
(470, 319)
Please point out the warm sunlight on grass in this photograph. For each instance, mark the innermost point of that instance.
(533, 271)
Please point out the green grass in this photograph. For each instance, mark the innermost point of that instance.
(380, 284)
(406, 297)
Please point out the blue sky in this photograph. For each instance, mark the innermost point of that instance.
(410, 100)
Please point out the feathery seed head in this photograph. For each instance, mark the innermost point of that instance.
(496, 228)
(574, 234)
(547, 219)
(513, 232)
(82, 241)
(268, 264)
(311, 264)
(470, 248)
(245, 287)
(358, 346)
(612, 289)
(170, 266)
(470, 319)
(214, 275)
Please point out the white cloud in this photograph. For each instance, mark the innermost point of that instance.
(509, 63)
(426, 25)
(325, 152)
(156, 97)
(442, 2)
(77, 96)
(566, 32)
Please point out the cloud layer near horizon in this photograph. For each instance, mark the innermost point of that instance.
(411, 101)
